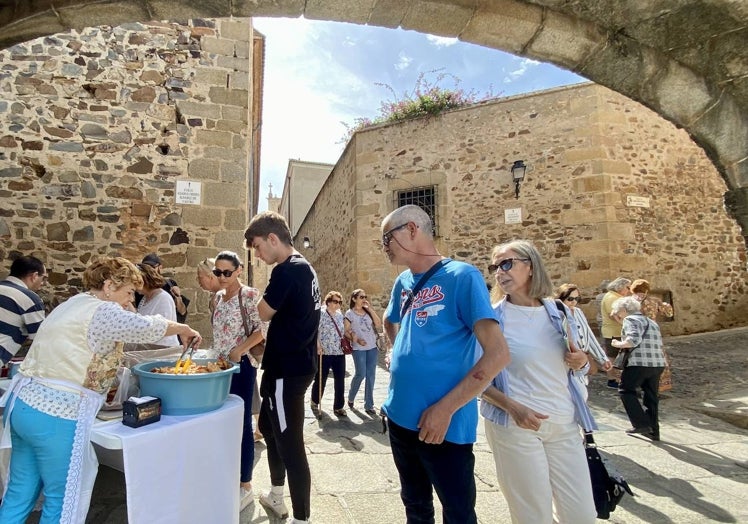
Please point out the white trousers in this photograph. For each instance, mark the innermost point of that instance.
(543, 474)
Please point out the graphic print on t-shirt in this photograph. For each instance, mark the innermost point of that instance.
(426, 303)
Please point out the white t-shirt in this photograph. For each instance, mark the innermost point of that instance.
(537, 374)
(161, 304)
(362, 327)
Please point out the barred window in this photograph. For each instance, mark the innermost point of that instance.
(423, 197)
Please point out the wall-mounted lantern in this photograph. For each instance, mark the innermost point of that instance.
(307, 243)
(518, 175)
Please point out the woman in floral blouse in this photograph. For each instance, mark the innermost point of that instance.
(51, 404)
(328, 346)
(234, 333)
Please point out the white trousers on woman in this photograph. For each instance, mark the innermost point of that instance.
(542, 471)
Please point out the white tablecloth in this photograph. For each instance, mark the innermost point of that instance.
(181, 469)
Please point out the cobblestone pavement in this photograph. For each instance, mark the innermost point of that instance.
(697, 473)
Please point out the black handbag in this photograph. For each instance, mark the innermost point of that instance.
(608, 485)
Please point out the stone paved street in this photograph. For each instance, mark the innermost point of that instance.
(698, 473)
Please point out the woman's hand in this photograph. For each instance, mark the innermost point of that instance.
(606, 366)
(236, 354)
(525, 417)
(575, 359)
(361, 341)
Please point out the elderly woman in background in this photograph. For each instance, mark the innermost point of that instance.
(645, 361)
(569, 294)
(611, 329)
(654, 308)
(51, 404)
(328, 347)
(534, 407)
(236, 329)
(156, 301)
(205, 277)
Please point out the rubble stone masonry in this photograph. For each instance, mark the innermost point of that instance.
(97, 127)
(594, 158)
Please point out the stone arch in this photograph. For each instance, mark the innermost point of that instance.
(688, 61)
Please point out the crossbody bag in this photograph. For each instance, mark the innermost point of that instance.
(421, 282)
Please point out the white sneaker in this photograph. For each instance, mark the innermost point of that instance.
(274, 504)
(246, 498)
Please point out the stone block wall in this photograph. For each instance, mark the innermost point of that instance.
(96, 128)
(588, 149)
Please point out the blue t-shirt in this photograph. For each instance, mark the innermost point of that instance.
(435, 347)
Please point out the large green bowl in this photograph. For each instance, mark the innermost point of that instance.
(185, 394)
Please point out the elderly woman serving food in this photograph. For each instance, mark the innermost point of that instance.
(51, 404)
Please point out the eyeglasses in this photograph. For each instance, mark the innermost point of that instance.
(362, 297)
(387, 237)
(225, 273)
(336, 301)
(505, 265)
(572, 299)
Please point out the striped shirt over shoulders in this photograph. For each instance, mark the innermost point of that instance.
(21, 313)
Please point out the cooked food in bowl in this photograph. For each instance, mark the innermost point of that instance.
(193, 368)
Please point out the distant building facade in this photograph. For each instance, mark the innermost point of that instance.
(611, 189)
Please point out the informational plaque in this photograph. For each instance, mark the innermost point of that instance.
(189, 192)
(637, 201)
(513, 216)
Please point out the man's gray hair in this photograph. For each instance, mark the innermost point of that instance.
(628, 304)
(618, 284)
(411, 213)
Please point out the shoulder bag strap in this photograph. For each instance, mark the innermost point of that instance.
(433, 269)
(244, 313)
(335, 324)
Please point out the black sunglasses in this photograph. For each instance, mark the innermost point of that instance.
(573, 299)
(225, 273)
(387, 237)
(505, 265)
(362, 296)
(336, 301)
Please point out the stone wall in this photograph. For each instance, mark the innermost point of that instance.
(588, 149)
(96, 127)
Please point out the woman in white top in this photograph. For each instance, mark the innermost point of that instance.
(361, 327)
(156, 301)
(534, 407)
(51, 404)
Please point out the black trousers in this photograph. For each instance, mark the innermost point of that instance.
(282, 424)
(336, 363)
(648, 379)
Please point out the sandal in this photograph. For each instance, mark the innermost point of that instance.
(340, 412)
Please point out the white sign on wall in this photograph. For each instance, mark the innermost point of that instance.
(189, 192)
(513, 216)
(637, 201)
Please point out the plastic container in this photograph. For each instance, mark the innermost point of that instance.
(185, 394)
(13, 367)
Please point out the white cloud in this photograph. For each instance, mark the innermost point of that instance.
(403, 62)
(441, 41)
(524, 65)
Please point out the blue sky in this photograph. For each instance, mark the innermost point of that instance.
(321, 74)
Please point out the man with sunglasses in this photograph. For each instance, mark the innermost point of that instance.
(292, 304)
(436, 373)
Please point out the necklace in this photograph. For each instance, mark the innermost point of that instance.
(523, 310)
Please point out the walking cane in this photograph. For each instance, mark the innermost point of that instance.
(320, 380)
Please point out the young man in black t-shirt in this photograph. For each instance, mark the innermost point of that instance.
(291, 303)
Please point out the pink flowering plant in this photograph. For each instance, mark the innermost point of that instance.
(427, 99)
